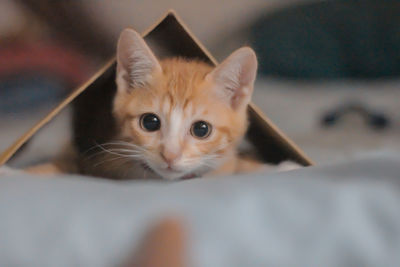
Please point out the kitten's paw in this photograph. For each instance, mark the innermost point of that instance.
(288, 166)
(281, 167)
(4, 170)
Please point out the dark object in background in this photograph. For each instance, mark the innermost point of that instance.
(374, 119)
(69, 22)
(330, 39)
(29, 90)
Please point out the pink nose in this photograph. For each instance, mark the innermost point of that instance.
(169, 157)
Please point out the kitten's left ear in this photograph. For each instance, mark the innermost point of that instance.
(136, 63)
(235, 77)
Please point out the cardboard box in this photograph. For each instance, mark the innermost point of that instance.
(175, 39)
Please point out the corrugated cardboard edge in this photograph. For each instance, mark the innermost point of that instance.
(9, 152)
(271, 127)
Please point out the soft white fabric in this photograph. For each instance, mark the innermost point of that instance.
(343, 215)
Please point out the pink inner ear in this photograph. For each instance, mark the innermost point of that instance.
(135, 59)
(238, 98)
(236, 76)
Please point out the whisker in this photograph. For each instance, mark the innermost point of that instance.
(113, 159)
(122, 143)
(111, 152)
(131, 153)
(116, 151)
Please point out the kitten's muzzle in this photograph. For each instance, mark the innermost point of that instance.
(170, 158)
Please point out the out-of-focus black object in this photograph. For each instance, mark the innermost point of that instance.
(330, 39)
(69, 22)
(374, 119)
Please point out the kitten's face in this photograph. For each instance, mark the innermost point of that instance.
(183, 118)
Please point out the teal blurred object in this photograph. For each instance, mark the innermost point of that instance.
(330, 39)
(37, 74)
(28, 91)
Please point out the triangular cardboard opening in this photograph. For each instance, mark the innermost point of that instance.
(171, 34)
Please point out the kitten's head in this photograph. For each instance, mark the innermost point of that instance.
(183, 117)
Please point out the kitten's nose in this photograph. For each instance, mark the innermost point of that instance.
(169, 157)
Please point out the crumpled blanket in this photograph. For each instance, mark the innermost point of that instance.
(339, 215)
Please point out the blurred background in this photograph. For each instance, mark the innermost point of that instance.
(328, 77)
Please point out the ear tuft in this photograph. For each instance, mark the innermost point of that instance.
(235, 77)
(136, 63)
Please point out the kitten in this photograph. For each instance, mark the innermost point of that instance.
(177, 118)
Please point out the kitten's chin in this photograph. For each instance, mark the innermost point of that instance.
(172, 176)
(175, 175)
(162, 174)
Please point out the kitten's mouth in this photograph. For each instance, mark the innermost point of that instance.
(189, 176)
(146, 167)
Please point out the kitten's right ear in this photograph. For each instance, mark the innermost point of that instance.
(136, 63)
(235, 77)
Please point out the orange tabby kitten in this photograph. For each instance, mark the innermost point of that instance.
(178, 118)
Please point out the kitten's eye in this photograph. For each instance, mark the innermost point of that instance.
(150, 122)
(201, 129)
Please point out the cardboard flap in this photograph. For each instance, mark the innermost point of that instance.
(93, 104)
(175, 39)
